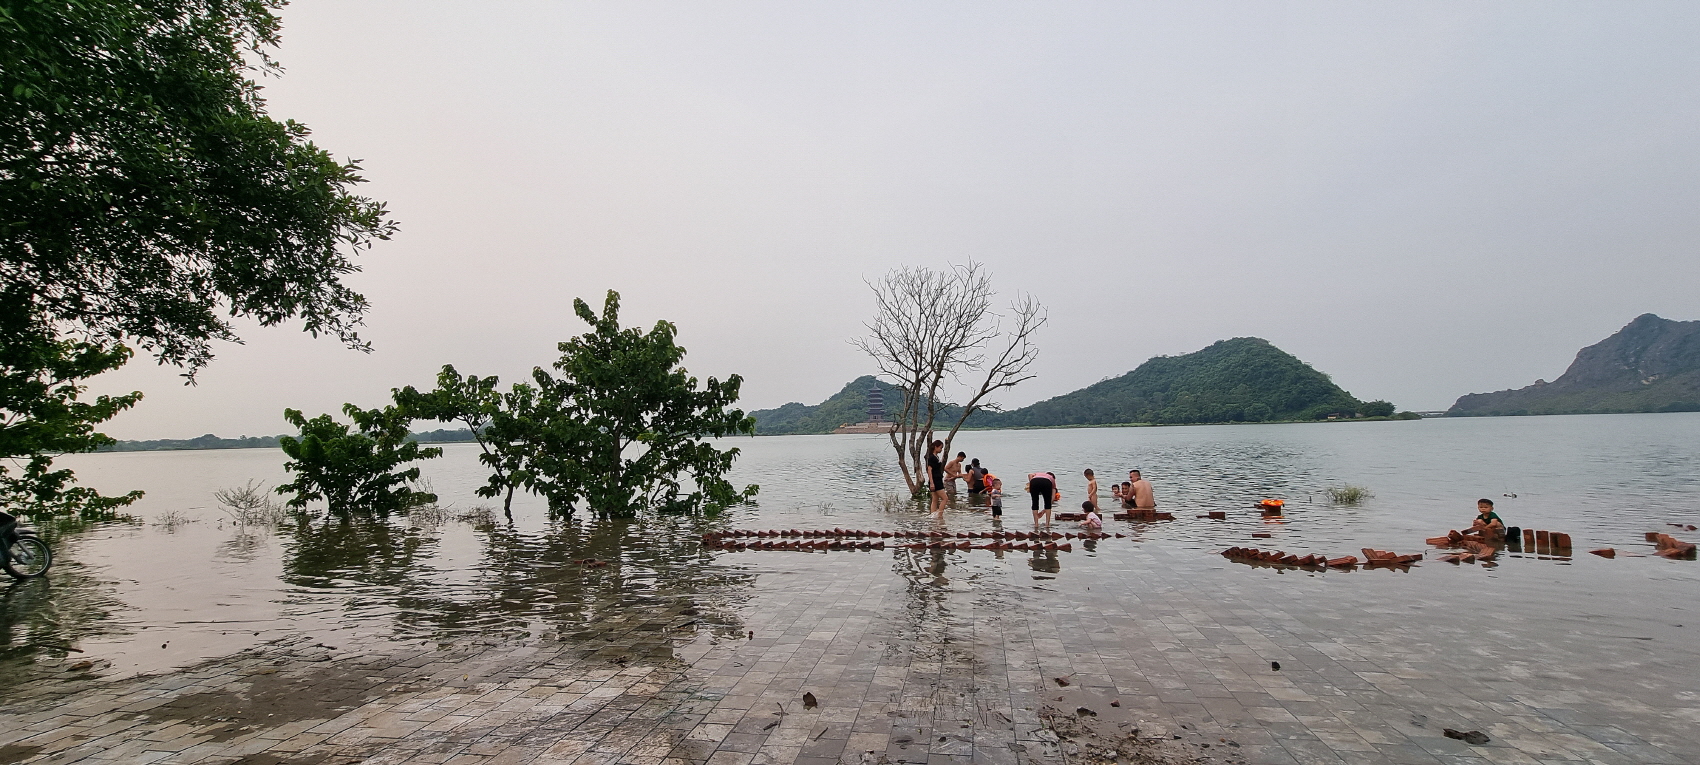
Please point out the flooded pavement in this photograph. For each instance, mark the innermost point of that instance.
(445, 640)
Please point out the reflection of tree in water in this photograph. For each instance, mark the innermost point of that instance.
(47, 616)
(371, 551)
(651, 581)
(929, 629)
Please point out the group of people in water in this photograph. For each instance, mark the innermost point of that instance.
(1133, 494)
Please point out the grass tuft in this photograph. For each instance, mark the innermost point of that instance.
(1348, 495)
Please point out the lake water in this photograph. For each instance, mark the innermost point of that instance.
(150, 596)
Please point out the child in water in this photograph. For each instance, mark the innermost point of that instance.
(997, 497)
(1487, 521)
(1092, 520)
(1091, 488)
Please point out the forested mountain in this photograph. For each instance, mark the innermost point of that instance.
(1244, 379)
(1240, 380)
(1651, 365)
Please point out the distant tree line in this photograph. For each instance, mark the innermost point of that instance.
(210, 441)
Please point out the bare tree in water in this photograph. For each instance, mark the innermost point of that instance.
(937, 326)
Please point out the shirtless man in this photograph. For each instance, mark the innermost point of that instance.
(953, 471)
(1142, 496)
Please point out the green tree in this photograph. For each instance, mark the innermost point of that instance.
(148, 199)
(502, 423)
(624, 428)
(149, 196)
(41, 418)
(354, 470)
(1376, 409)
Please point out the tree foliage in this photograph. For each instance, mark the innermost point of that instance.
(42, 417)
(503, 424)
(617, 426)
(147, 191)
(354, 469)
(625, 428)
(1376, 409)
(148, 199)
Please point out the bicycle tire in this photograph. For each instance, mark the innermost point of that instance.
(27, 558)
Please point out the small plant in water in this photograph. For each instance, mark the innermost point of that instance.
(1347, 495)
(171, 519)
(251, 505)
(481, 517)
(428, 516)
(891, 502)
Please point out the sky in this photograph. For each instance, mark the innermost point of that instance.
(1422, 200)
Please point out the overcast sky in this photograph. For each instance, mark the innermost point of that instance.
(1420, 199)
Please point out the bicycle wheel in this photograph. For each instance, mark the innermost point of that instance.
(28, 557)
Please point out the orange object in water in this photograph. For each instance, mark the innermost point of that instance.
(1271, 504)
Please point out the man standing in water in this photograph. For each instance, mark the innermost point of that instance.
(1143, 498)
(935, 476)
(953, 471)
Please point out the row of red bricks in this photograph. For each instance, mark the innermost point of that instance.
(830, 533)
(879, 544)
(1372, 558)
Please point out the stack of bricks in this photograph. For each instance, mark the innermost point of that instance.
(1542, 542)
(1671, 547)
(1254, 555)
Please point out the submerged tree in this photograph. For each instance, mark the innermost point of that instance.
(932, 328)
(149, 198)
(624, 428)
(354, 470)
(503, 424)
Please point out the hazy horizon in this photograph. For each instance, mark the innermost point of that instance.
(1421, 201)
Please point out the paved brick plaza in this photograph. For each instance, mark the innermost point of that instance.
(926, 657)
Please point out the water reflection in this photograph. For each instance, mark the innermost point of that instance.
(50, 616)
(1605, 479)
(575, 581)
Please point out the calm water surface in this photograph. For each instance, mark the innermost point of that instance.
(153, 595)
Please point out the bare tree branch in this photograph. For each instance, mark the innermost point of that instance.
(933, 327)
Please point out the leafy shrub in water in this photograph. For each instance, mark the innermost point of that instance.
(354, 470)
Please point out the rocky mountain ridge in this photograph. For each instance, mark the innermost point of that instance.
(1652, 364)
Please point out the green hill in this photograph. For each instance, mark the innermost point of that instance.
(1240, 380)
(1245, 379)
